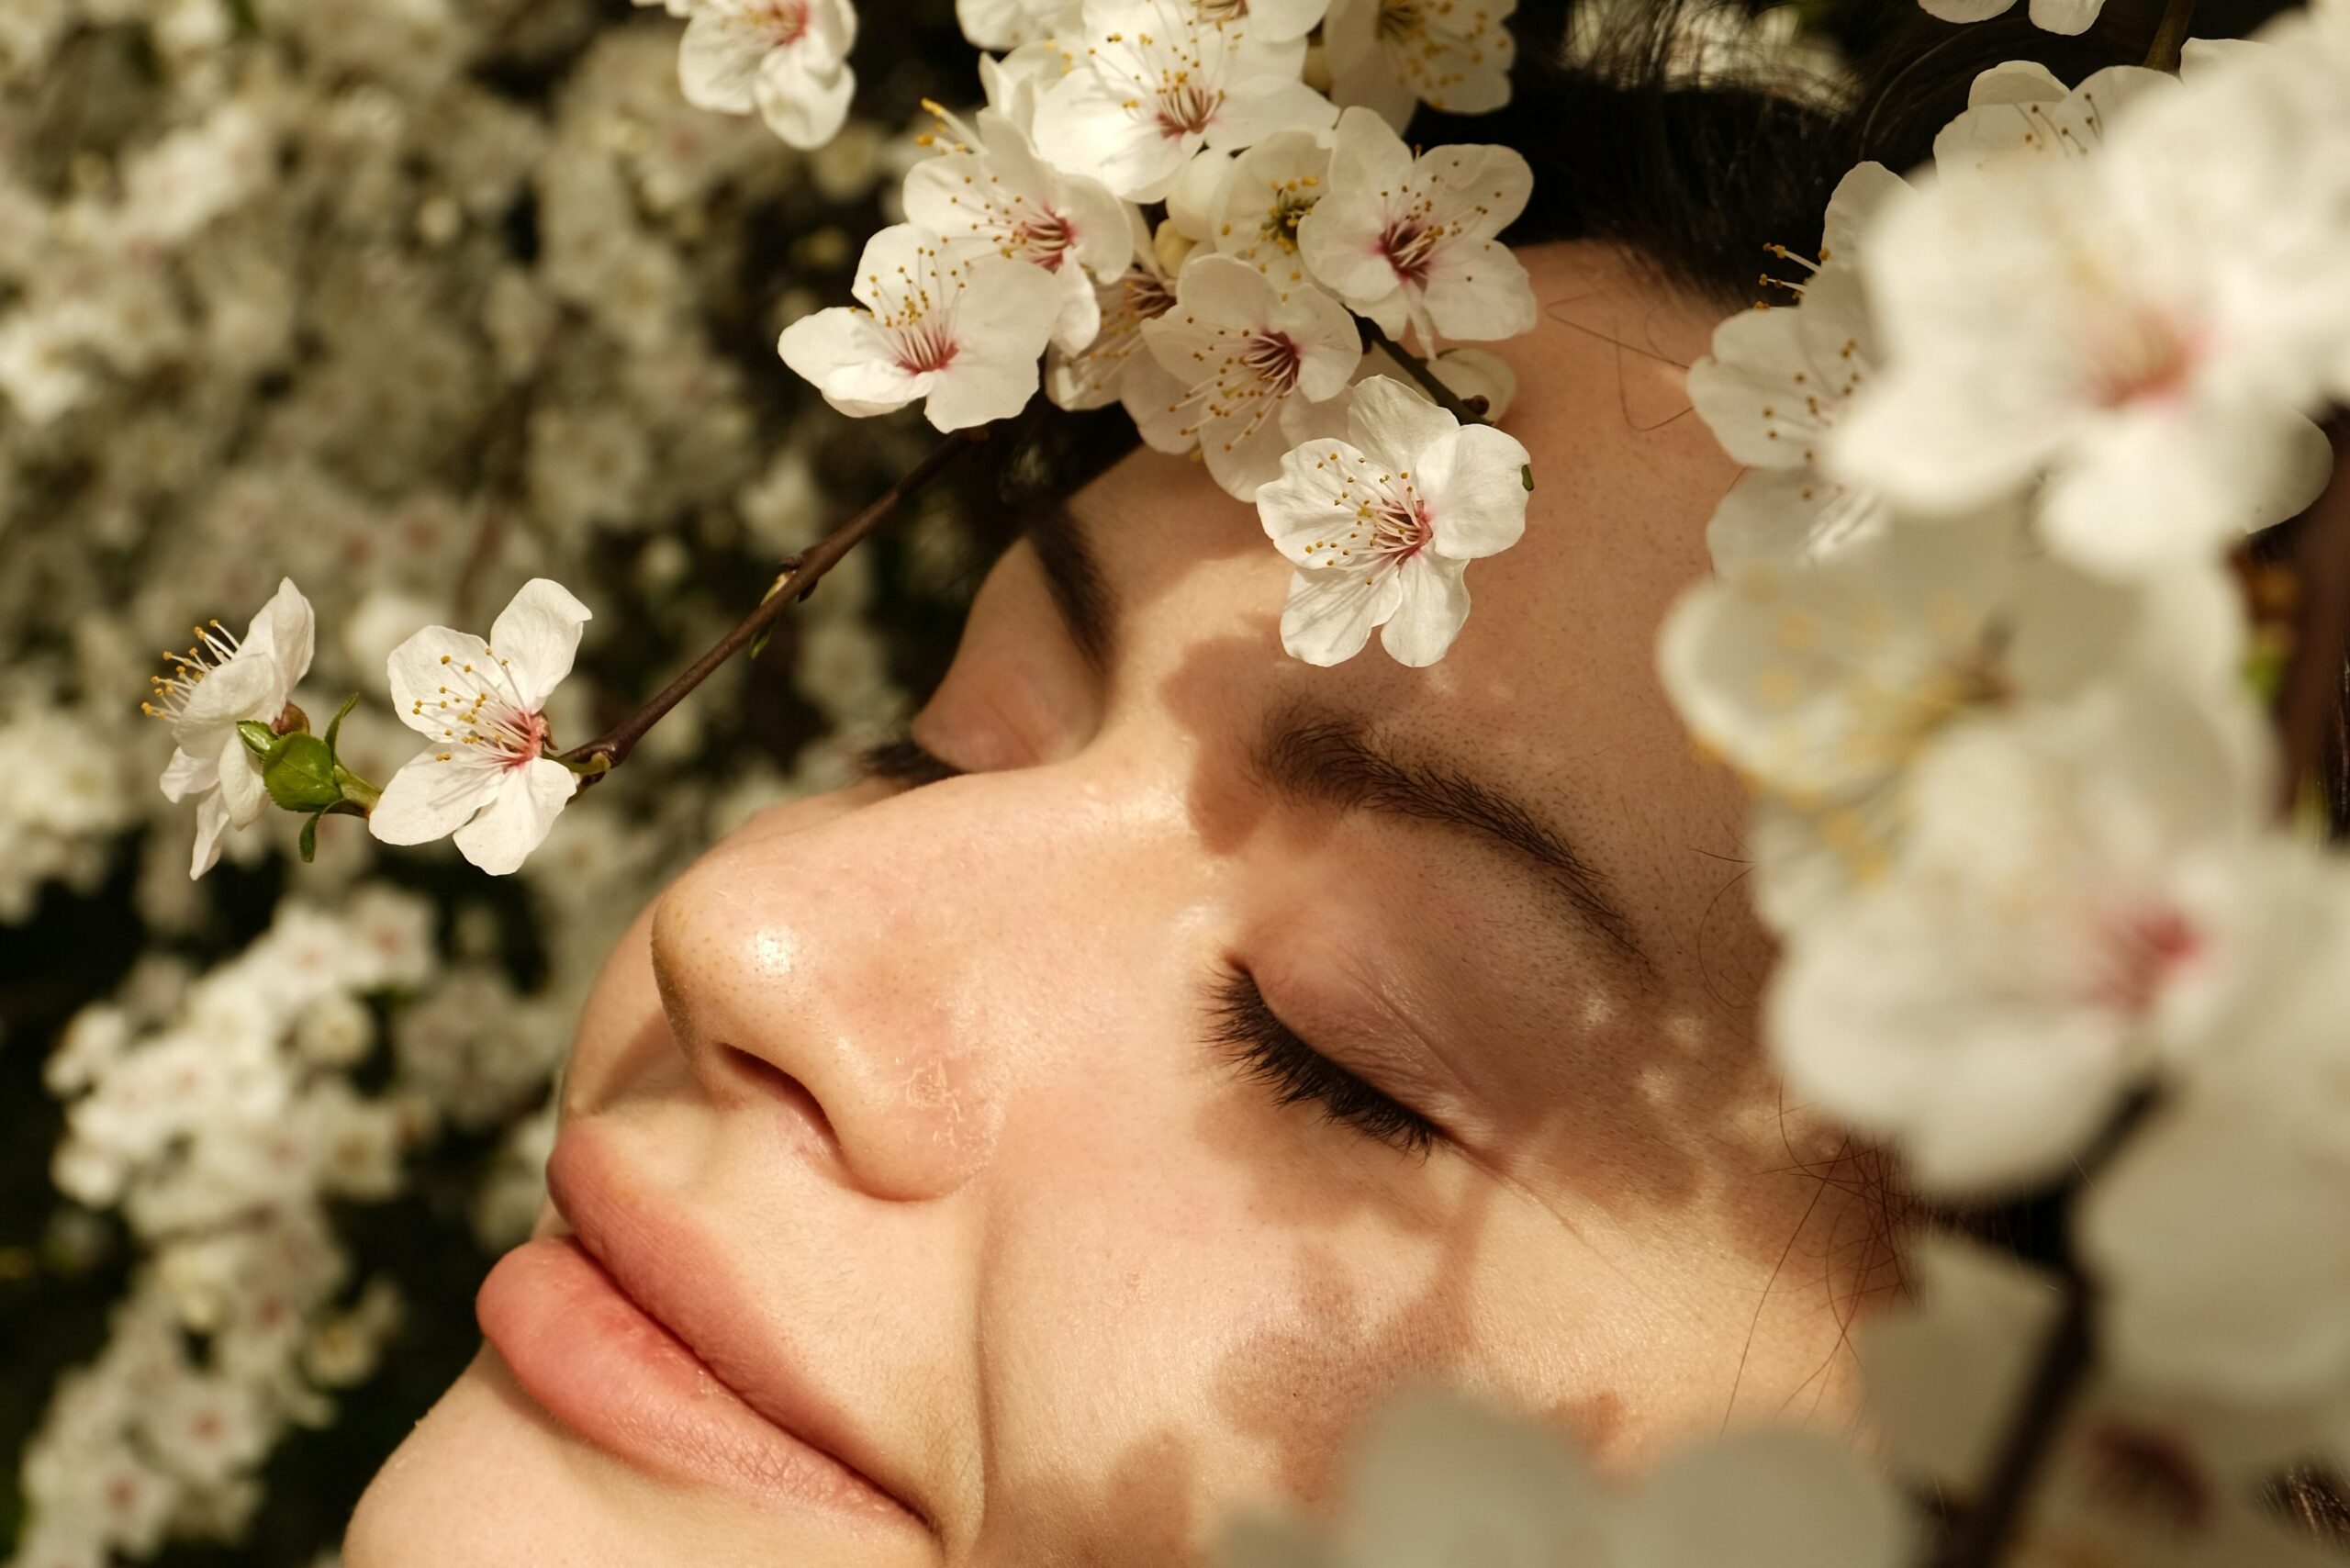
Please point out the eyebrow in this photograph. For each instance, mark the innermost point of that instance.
(1074, 578)
(1305, 754)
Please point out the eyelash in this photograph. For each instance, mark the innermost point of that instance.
(1267, 1052)
(904, 760)
(1243, 1024)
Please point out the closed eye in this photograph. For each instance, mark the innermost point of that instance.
(904, 760)
(1267, 1052)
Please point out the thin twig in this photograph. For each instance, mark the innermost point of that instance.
(1996, 1513)
(2308, 702)
(1467, 411)
(797, 579)
(2170, 36)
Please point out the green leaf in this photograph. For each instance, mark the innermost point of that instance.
(308, 843)
(258, 738)
(299, 774)
(335, 723)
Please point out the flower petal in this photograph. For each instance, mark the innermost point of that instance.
(211, 821)
(518, 819)
(802, 105)
(535, 637)
(286, 630)
(1329, 615)
(1474, 481)
(1431, 606)
(1394, 423)
(242, 791)
(187, 774)
(433, 794)
(417, 668)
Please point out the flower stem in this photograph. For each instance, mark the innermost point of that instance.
(801, 573)
(2308, 702)
(1990, 1521)
(1467, 411)
(2170, 36)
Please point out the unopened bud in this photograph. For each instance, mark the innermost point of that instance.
(291, 721)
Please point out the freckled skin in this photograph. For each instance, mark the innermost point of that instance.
(934, 1064)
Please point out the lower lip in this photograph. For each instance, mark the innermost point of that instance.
(601, 1365)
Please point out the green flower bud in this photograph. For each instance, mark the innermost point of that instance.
(299, 774)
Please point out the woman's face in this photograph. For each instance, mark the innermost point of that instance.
(944, 1123)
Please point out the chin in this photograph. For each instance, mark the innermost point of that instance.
(488, 1480)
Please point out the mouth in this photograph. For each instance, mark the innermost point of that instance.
(631, 1333)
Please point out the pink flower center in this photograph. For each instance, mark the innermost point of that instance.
(1410, 248)
(786, 21)
(2145, 949)
(925, 347)
(1400, 526)
(2142, 356)
(1187, 108)
(526, 739)
(1046, 240)
(1274, 359)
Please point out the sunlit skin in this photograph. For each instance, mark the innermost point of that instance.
(936, 1064)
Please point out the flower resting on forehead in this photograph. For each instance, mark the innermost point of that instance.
(486, 775)
(963, 334)
(1157, 82)
(1244, 356)
(995, 196)
(787, 59)
(1382, 525)
(221, 682)
(1410, 241)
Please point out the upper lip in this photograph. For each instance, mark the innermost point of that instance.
(682, 1280)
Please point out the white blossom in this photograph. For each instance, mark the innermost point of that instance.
(787, 59)
(221, 681)
(1009, 24)
(484, 775)
(2021, 109)
(1390, 56)
(1262, 198)
(2053, 16)
(2140, 326)
(996, 197)
(961, 334)
(1410, 241)
(1158, 80)
(1239, 352)
(1116, 366)
(2218, 1231)
(1774, 386)
(1382, 525)
(2079, 898)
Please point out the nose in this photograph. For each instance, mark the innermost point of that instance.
(868, 977)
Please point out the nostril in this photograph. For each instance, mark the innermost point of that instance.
(778, 1085)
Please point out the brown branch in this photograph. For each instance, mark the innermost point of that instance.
(800, 574)
(2170, 36)
(1467, 411)
(2308, 700)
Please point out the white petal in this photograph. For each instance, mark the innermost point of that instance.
(1259, 108)
(1443, 1480)
(718, 59)
(1965, 10)
(239, 689)
(1197, 194)
(418, 670)
(242, 791)
(847, 357)
(187, 774)
(1329, 615)
(429, 798)
(1393, 423)
(517, 821)
(287, 631)
(1780, 517)
(2167, 485)
(2065, 16)
(803, 105)
(1757, 356)
(211, 821)
(1431, 606)
(1859, 195)
(1474, 482)
(536, 636)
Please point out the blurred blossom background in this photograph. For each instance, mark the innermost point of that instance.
(410, 300)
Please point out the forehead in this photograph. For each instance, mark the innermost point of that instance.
(1552, 685)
